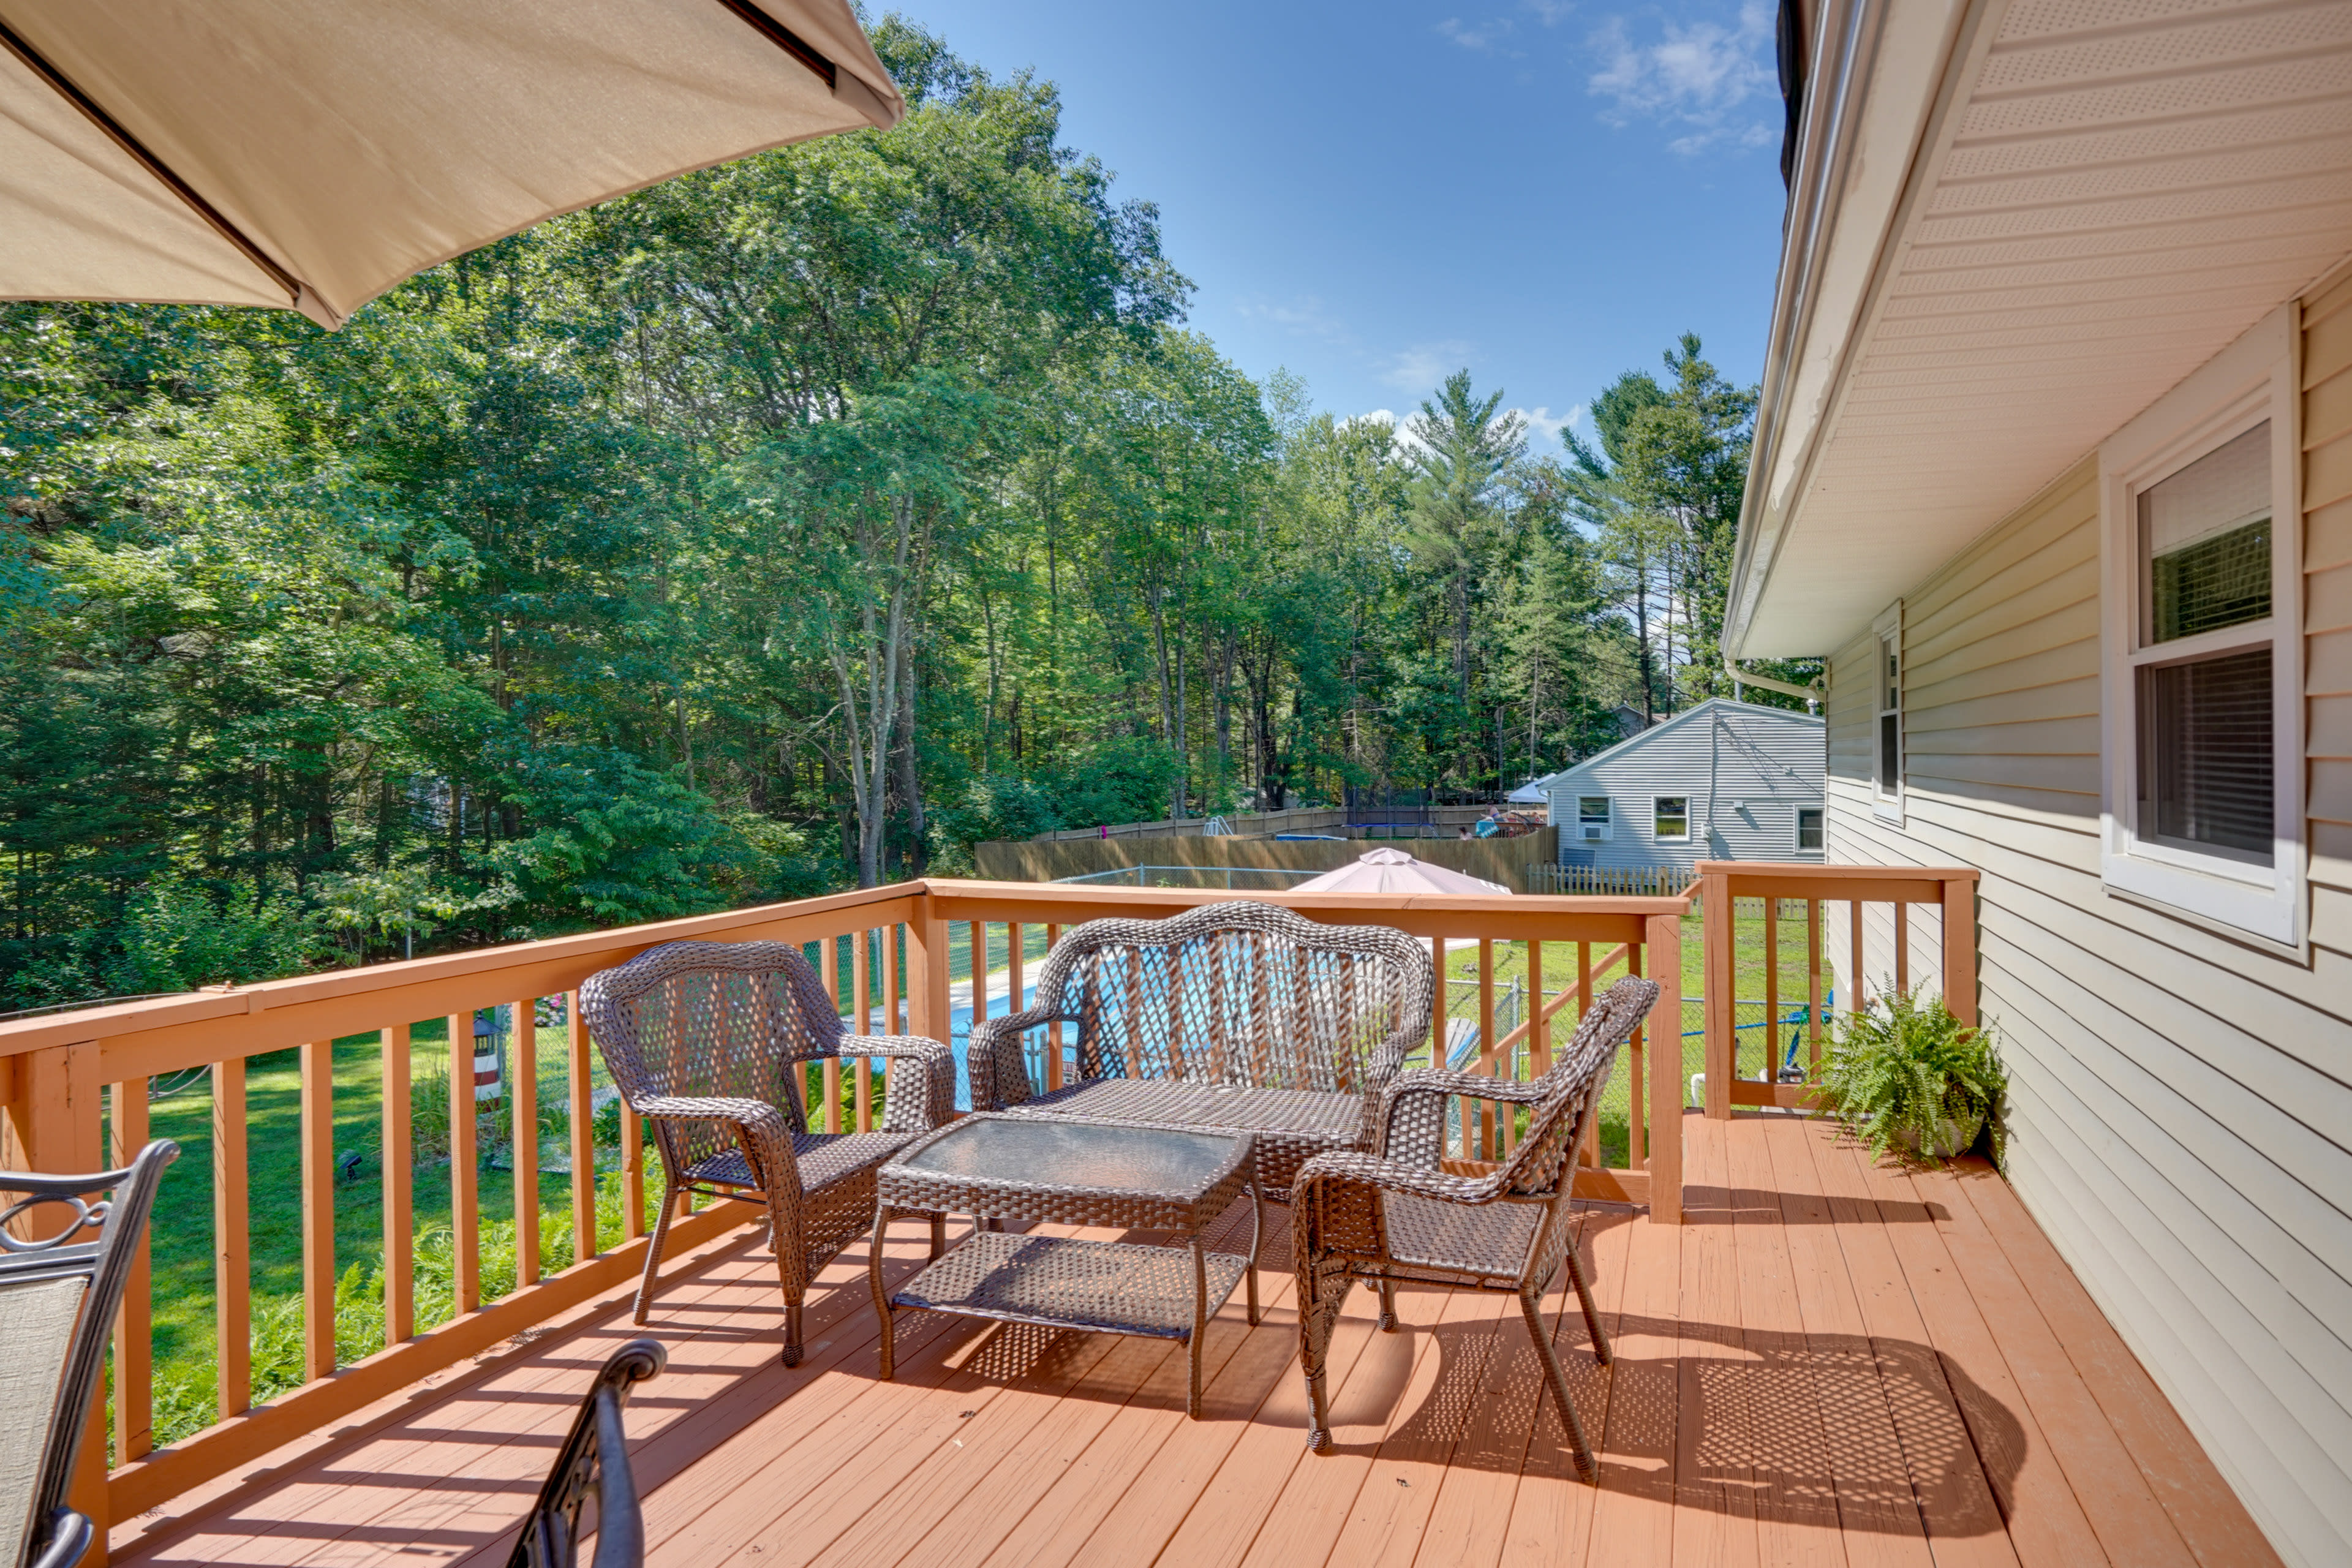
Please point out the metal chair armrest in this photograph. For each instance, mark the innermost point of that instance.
(69, 1538)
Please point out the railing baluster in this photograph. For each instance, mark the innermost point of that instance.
(1539, 1046)
(1052, 1030)
(1637, 1147)
(1663, 953)
(579, 1094)
(399, 1199)
(1539, 1034)
(522, 1091)
(633, 1169)
(1772, 989)
(232, 1270)
(318, 1146)
(861, 987)
(1485, 994)
(1719, 964)
(976, 942)
(1015, 939)
(831, 1076)
(464, 1207)
(1813, 982)
(1855, 1001)
(1637, 1142)
(893, 1022)
(1902, 945)
(134, 1343)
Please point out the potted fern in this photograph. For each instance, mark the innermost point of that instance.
(1905, 1073)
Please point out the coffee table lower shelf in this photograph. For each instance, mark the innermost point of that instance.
(1066, 1282)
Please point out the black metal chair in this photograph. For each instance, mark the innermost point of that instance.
(57, 1301)
(595, 1462)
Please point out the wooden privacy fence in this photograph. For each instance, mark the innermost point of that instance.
(69, 1080)
(1874, 905)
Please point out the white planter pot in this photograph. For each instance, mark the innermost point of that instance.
(1951, 1138)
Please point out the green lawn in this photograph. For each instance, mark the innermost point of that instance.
(184, 1287)
(1559, 973)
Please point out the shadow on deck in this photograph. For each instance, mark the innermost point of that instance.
(1831, 1361)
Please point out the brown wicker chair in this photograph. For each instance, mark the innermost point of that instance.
(1227, 1017)
(1395, 1215)
(706, 1040)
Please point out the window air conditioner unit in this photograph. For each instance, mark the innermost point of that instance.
(1592, 832)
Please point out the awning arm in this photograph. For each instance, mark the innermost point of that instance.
(1810, 693)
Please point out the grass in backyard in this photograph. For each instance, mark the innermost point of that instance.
(185, 1298)
(1559, 960)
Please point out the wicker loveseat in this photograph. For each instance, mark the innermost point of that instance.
(1237, 1015)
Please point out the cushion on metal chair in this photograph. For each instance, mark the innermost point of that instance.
(36, 1325)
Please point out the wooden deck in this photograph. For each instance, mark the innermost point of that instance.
(1829, 1364)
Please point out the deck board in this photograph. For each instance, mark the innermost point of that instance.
(1833, 1363)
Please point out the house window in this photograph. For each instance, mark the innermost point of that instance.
(1671, 818)
(2205, 764)
(1592, 818)
(1809, 828)
(2203, 727)
(1890, 717)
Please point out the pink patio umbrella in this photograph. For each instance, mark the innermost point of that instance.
(1386, 871)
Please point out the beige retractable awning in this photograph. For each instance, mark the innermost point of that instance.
(311, 153)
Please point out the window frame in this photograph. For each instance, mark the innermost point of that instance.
(1608, 817)
(2253, 380)
(1797, 837)
(1886, 643)
(1658, 838)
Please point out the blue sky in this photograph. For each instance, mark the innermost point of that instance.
(1375, 195)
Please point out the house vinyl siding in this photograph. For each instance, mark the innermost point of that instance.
(2181, 1100)
(1768, 759)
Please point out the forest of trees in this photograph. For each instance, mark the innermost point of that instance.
(786, 526)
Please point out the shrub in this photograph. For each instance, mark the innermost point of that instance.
(1905, 1066)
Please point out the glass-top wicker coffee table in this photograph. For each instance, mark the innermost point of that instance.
(1080, 1173)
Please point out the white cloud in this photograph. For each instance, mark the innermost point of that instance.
(1478, 36)
(1550, 13)
(1400, 432)
(1304, 316)
(1546, 429)
(1420, 368)
(1701, 77)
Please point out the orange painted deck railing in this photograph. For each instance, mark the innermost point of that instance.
(1801, 892)
(61, 1076)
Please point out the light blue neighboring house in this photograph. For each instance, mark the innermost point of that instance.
(1724, 781)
